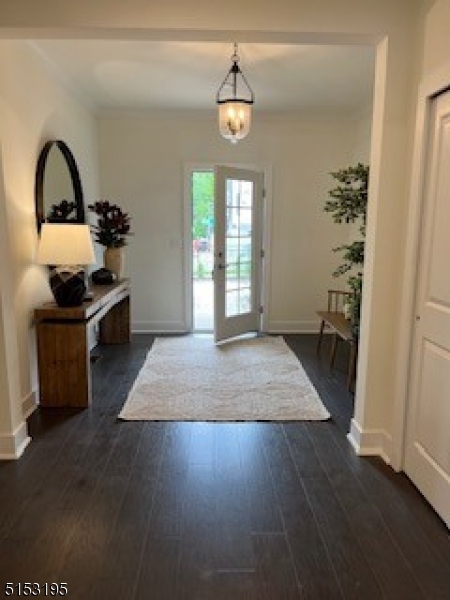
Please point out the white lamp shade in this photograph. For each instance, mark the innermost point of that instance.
(65, 244)
(234, 120)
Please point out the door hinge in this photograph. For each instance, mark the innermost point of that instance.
(264, 193)
(261, 309)
(262, 253)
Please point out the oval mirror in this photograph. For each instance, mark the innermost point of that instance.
(58, 190)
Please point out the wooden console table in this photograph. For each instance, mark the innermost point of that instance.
(63, 342)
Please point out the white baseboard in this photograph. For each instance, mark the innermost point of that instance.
(370, 442)
(158, 327)
(29, 405)
(13, 445)
(273, 327)
(293, 327)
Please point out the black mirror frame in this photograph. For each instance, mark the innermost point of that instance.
(74, 175)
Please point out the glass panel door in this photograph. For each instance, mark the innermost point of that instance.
(237, 251)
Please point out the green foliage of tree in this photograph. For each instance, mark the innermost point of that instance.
(353, 254)
(201, 271)
(355, 282)
(349, 199)
(203, 203)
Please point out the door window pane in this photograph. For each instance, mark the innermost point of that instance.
(232, 193)
(245, 222)
(232, 303)
(244, 301)
(231, 249)
(245, 250)
(245, 273)
(238, 246)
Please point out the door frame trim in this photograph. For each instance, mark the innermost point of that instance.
(266, 215)
(431, 86)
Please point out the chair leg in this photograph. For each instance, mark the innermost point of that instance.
(319, 341)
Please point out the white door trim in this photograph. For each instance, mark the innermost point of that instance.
(187, 236)
(429, 87)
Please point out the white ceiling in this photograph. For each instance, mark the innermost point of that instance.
(136, 75)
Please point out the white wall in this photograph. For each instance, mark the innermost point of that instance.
(362, 136)
(436, 50)
(33, 109)
(13, 431)
(143, 159)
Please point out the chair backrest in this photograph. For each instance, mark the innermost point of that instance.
(337, 299)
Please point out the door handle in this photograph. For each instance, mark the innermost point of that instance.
(219, 266)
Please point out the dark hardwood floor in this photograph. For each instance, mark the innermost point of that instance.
(213, 511)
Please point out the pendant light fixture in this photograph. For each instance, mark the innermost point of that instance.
(235, 98)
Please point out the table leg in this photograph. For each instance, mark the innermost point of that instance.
(115, 325)
(64, 365)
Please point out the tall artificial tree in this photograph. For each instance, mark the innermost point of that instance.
(348, 204)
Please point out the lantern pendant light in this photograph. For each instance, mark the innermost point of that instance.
(235, 98)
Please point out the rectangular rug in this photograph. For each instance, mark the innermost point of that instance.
(189, 378)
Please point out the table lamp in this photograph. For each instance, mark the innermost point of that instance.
(66, 249)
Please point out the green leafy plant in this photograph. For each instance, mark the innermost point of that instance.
(349, 199)
(201, 271)
(348, 204)
(203, 205)
(62, 211)
(113, 225)
(353, 254)
(355, 282)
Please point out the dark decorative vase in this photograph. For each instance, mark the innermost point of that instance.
(103, 277)
(68, 288)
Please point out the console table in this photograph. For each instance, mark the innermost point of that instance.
(63, 342)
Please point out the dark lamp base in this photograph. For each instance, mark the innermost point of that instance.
(68, 288)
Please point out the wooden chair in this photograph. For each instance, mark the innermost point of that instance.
(334, 318)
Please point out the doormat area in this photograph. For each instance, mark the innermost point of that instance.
(189, 378)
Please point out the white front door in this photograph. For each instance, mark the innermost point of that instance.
(427, 456)
(237, 251)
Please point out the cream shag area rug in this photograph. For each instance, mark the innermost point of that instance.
(189, 378)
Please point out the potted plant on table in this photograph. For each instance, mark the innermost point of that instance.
(111, 230)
